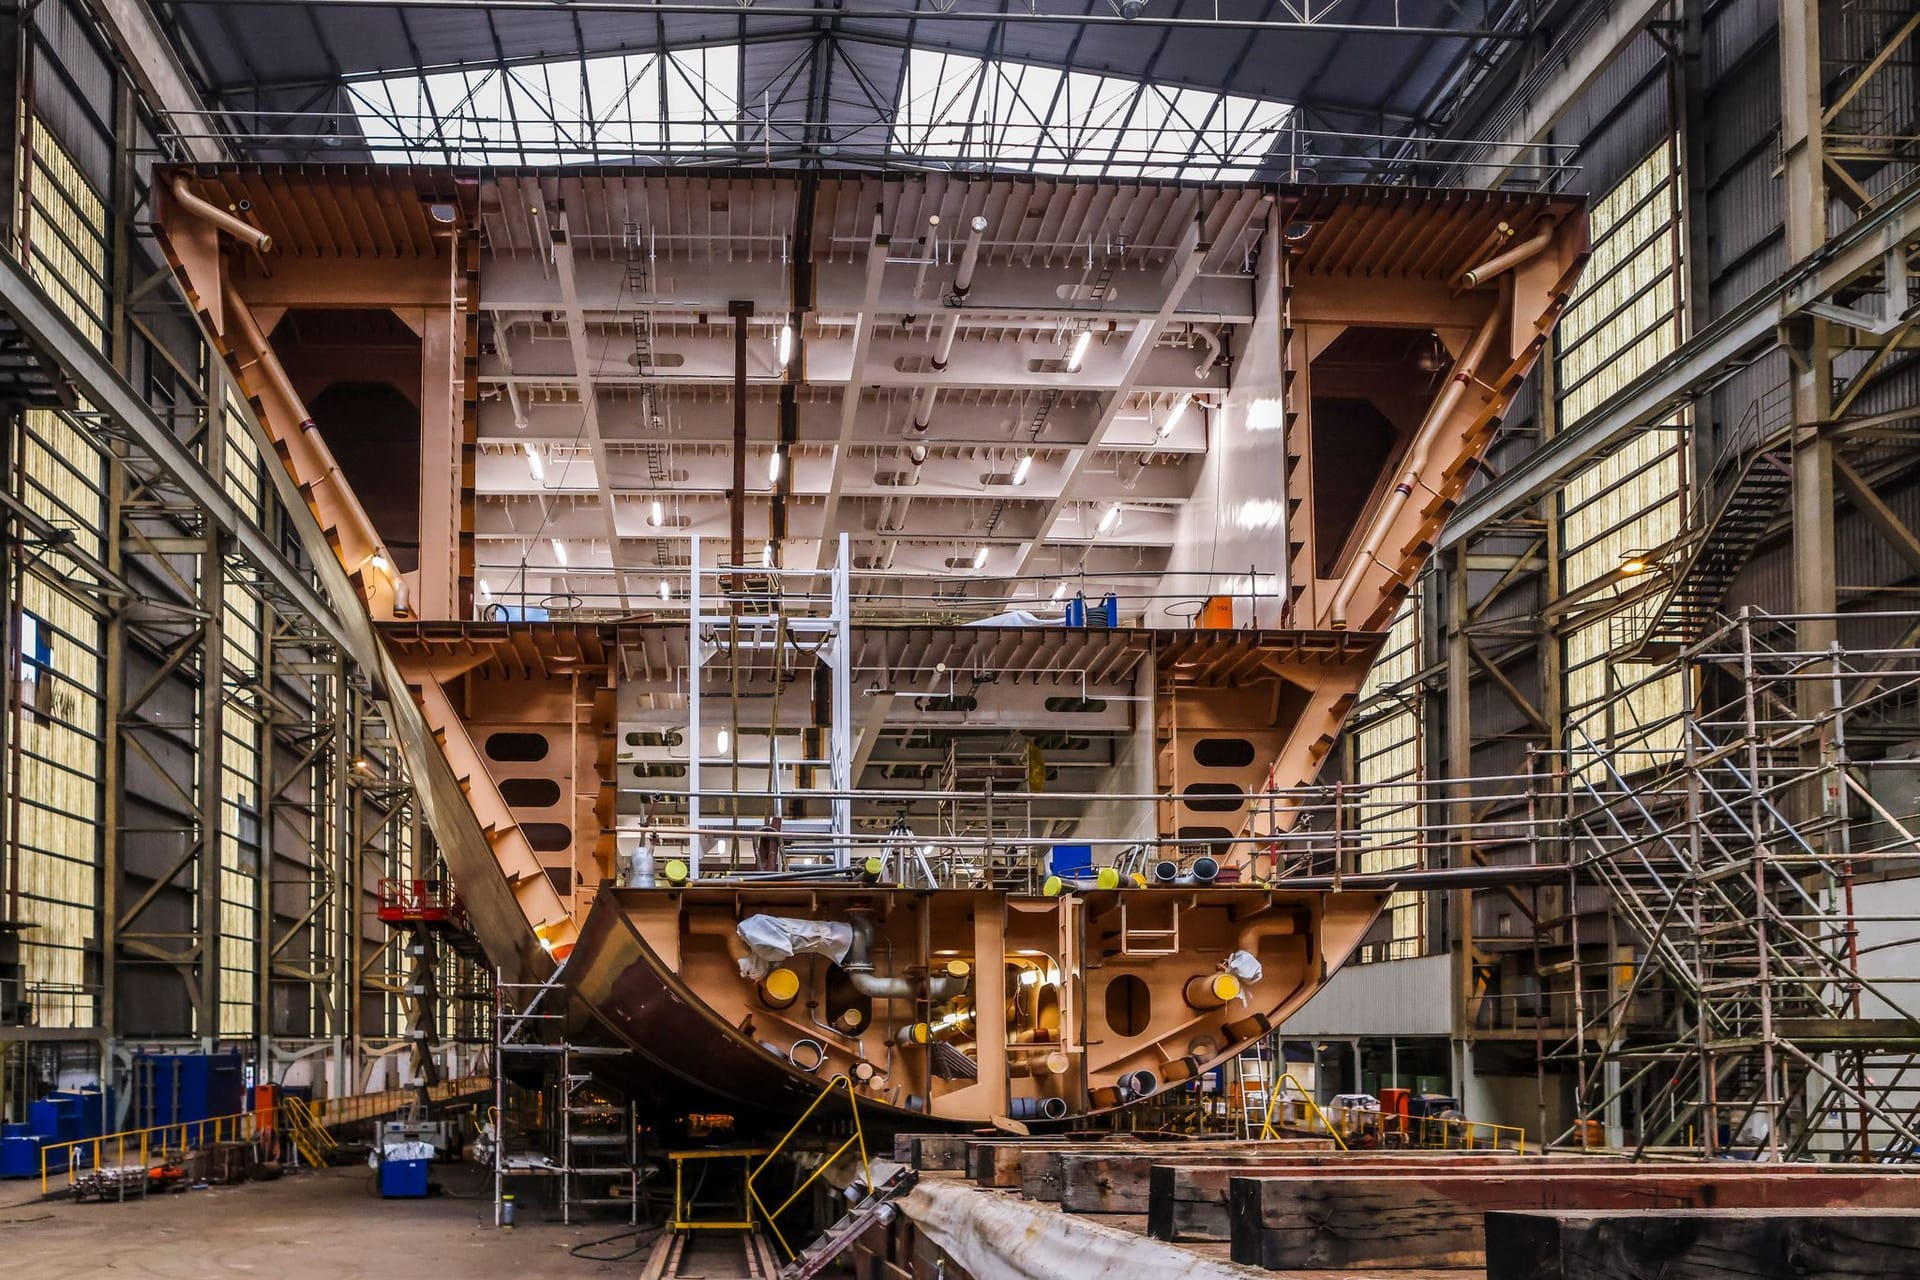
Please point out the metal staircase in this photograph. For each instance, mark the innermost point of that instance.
(1760, 484)
(1731, 868)
(874, 1209)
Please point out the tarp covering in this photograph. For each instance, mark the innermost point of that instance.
(999, 1237)
(773, 940)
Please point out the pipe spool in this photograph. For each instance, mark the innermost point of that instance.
(1203, 870)
(1141, 1083)
(807, 1055)
(1181, 1070)
(863, 1071)
(872, 869)
(675, 872)
(1211, 990)
(1507, 259)
(1055, 886)
(1051, 1062)
(1037, 1108)
(779, 989)
(1251, 1027)
(238, 228)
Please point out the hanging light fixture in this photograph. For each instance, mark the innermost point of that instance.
(1079, 351)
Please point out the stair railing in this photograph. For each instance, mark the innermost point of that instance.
(857, 1139)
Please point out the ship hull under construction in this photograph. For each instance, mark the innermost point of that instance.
(884, 626)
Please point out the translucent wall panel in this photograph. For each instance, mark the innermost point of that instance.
(1626, 318)
(54, 804)
(243, 643)
(1388, 750)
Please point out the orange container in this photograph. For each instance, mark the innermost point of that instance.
(1217, 614)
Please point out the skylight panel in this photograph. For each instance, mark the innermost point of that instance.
(956, 110)
(576, 111)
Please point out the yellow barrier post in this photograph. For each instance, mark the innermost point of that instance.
(1274, 1095)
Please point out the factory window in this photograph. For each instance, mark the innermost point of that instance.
(33, 664)
(1625, 318)
(953, 109)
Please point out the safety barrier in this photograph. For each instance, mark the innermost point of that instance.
(141, 1147)
(1354, 1126)
(1279, 1092)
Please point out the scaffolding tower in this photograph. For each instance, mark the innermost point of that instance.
(581, 1140)
(1761, 872)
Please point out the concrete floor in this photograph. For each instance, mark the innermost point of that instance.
(323, 1226)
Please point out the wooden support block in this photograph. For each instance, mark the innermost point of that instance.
(1187, 1198)
(1437, 1219)
(932, 1152)
(1704, 1244)
(1119, 1181)
(1043, 1170)
(995, 1162)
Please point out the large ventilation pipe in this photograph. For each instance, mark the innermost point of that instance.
(938, 987)
(239, 228)
(1527, 249)
(969, 259)
(1211, 341)
(1211, 990)
(1412, 471)
(950, 323)
(1105, 878)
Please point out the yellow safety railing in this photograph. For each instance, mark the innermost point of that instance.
(1388, 1129)
(859, 1139)
(364, 1106)
(310, 1137)
(142, 1147)
(1460, 1135)
(1313, 1108)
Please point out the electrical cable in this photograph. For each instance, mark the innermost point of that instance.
(641, 1237)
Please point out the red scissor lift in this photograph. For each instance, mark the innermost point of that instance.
(431, 906)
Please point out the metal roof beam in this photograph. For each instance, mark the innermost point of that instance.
(863, 325)
(590, 402)
(1133, 362)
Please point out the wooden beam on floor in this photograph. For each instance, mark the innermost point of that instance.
(1436, 1220)
(1704, 1244)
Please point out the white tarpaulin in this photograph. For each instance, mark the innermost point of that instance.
(1008, 1239)
(773, 940)
(1244, 966)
